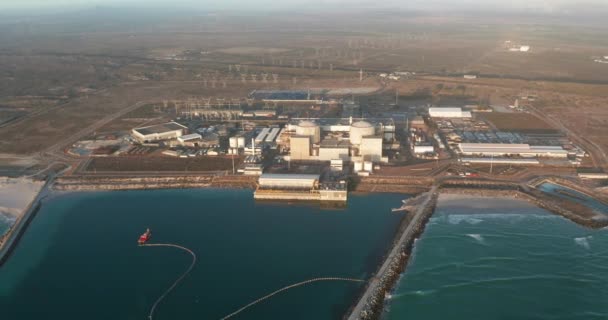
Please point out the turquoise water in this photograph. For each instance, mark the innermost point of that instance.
(79, 258)
(484, 258)
(575, 196)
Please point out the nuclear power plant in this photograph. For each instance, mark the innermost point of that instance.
(345, 139)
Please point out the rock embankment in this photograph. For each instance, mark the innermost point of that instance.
(410, 185)
(371, 304)
(89, 183)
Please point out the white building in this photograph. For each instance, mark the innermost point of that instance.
(189, 137)
(158, 132)
(344, 140)
(423, 149)
(371, 148)
(289, 181)
(511, 149)
(449, 113)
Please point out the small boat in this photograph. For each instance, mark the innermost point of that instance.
(145, 237)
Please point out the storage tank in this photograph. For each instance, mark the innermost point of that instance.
(310, 129)
(358, 166)
(233, 141)
(359, 130)
(368, 166)
(240, 142)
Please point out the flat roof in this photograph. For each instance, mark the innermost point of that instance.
(334, 143)
(494, 145)
(445, 109)
(509, 148)
(160, 128)
(192, 136)
(289, 176)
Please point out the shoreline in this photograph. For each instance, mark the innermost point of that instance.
(10, 240)
(371, 302)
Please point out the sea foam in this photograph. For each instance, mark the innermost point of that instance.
(479, 238)
(583, 242)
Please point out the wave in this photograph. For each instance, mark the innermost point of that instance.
(479, 238)
(476, 218)
(418, 293)
(7, 218)
(583, 242)
(513, 279)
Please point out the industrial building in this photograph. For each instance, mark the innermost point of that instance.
(343, 139)
(512, 149)
(289, 181)
(305, 187)
(158, 132)
(510, 161)
(449, 113)
(190, 139)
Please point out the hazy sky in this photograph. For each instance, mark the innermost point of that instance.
(537, 5)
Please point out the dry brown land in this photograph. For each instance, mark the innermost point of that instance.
(161, 164)
(522, 122)
(100, 68)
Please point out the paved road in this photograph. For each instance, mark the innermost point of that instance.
(598, 156)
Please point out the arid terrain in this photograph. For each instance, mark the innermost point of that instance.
(63, 78)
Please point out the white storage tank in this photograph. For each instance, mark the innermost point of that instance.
(359, 130)
(309, 129)
(368, 166)
(233, 141)
(358, 166)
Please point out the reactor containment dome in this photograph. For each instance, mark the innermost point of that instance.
(361, 129)
(309, 129)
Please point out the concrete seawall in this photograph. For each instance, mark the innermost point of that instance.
(88, 183)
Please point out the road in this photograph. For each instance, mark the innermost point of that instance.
(598, 156)
(92, 128)
(54, 153)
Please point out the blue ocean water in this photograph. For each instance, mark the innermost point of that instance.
(488, 258)
(79, 258)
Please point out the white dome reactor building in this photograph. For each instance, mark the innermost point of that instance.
(361, 129)
(327, 139)
(309, 129)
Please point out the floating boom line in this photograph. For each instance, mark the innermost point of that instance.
(178, 280)
(270, 295)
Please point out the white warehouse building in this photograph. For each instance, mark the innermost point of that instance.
(289, 181)
(510, 149)
(449, 113)
(158, 132)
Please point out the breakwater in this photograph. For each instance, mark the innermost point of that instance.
(88, 183)
(9, 241)
(371, 303)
